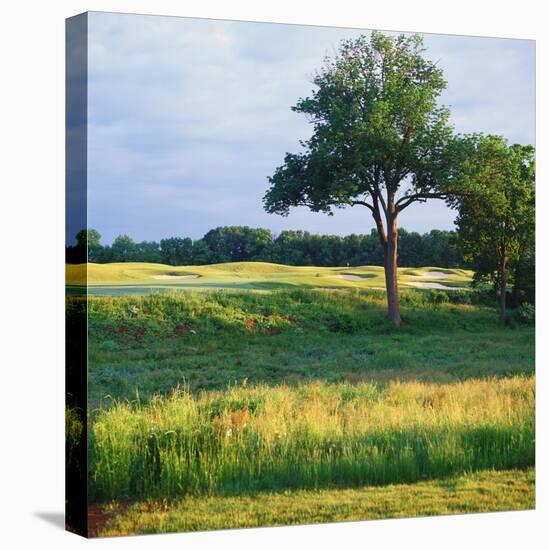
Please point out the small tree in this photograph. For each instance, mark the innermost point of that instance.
(379, 140)
(496, 217)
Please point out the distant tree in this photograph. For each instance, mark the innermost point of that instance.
(202, 254)
(237, 243)
(89, 240)
(292, 247)
(379, 140)
(147, 251)
(123, 249)
(87, 237)
(439, 248)
(411, 247)
(496, 218)
(176, 251)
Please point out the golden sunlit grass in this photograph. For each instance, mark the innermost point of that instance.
(246, 439)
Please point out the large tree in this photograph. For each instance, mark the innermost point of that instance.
(496, 222)
(380, 140)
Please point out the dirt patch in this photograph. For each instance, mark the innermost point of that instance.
(128, 331)
(97, 519)
(437, 275)
(250, 324)
(164, 277)
(181, 329)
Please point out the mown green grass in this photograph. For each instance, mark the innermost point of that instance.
(312, 436)
(134, 277)
(210, 340)
(477, 492)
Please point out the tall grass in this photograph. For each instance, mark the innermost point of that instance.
(248, 439)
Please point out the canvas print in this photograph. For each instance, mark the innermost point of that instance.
(300, 274)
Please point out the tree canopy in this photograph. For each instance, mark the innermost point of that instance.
(496, 220)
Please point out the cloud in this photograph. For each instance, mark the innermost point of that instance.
(188, 118)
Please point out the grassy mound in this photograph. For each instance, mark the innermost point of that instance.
(134, 278)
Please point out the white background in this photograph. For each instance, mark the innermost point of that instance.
(32, 271)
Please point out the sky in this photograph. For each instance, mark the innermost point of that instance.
(187, 118)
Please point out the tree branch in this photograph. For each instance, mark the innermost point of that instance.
(407, 200)
(362, 203)
(378, 191)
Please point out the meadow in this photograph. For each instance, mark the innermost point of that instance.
(299, 394)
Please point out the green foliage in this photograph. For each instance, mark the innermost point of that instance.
(496, 221)
(376, 122)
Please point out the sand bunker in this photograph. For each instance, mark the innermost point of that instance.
(437, 275)
(348, 277)
(175, 276)
(431, 285)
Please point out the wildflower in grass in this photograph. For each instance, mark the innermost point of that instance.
(229, 432)
(239, 419)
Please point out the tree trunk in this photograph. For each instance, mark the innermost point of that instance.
(391, 264)
(502, 290)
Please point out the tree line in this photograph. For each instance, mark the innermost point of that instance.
(290, 247)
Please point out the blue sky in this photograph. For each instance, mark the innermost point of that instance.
(187, 118)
